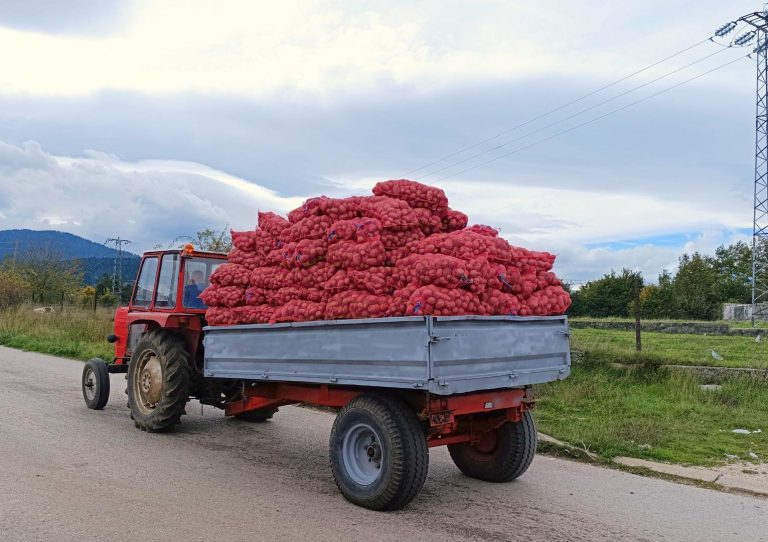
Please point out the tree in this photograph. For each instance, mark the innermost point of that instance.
(13, 289)
(213, 240)
(732, 266)
(657, 301)
(610, 295)
(694, 288)
(47, 274)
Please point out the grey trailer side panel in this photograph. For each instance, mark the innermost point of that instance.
(476, 353)
(361, 352)
(444, 355)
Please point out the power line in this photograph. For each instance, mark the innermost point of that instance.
(577, 126)
(559, 108)
(569, 117)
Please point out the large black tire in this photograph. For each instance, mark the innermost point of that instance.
(513, 446)
(95, 383)
(379, 455)
(158, 381)
(257, 416)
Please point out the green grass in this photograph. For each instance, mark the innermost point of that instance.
(672, 348)
(73, 333)
(652, 414)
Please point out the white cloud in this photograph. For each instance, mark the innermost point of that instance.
(152, 202)
(321, 47)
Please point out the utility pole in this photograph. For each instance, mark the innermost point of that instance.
(117, 267)
(756, 32)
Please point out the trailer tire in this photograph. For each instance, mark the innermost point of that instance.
(257, 416)
(378, 451)
(95, 383)
(510, 454)
(158, 381)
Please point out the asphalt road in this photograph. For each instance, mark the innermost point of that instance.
(71, 474)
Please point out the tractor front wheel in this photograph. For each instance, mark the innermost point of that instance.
(158, 381)
(95, 382)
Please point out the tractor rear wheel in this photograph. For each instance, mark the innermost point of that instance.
(158, 381)
(503, 455)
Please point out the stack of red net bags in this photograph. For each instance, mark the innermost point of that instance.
(401, 252)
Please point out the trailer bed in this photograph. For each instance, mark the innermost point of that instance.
(444, 355)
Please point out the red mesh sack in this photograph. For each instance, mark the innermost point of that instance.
(223, 296)
(311, 227)
(482, 229)
(498, 303)
(413, 193)
(257, 296)
(505, 278)
(444, 271)
(358, 229)
(298, 310)
(312, 276)
(399, 300)
(529, 261)
(249, 260)
(392, 213)
(339, 282)
(352, 255)
(272, 223)
(269, 278)
(341, 208)
(298, 254)
(221, 316)
(393, 239)
(443, 302)
(255, 314)
(356, 304)
(231, 274)
(551, 300)
(253, 241)
(429, 222)
(454, 220)
(289, 293)
(376, 280)
(311, 207)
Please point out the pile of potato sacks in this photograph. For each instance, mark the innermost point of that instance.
(401, 252)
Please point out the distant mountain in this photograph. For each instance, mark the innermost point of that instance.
(96, 260)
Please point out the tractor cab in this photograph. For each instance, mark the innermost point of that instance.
(166, 295)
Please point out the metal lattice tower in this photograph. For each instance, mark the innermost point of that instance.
(759, 22)
(117, 269)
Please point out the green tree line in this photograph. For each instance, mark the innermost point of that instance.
(696, 290)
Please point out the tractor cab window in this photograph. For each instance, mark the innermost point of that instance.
(165, 297)
(197, 272)
(145, 286)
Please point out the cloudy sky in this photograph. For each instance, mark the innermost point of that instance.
(153, 119)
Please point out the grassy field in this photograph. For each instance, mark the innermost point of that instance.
(652, 414)
(73, 333)
(673, 348)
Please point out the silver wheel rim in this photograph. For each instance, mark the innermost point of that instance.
(89, 384)
(148, 382)
(362, 454)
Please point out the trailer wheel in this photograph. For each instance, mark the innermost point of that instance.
(95, 383)
(257, 416)
(379, 454)
(502, 456)
(158, 381)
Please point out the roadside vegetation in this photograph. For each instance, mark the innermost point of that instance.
(651, 413)
(72, 332)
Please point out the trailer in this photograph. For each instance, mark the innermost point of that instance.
(401, 385)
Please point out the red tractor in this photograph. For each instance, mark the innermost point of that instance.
(161, 329)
